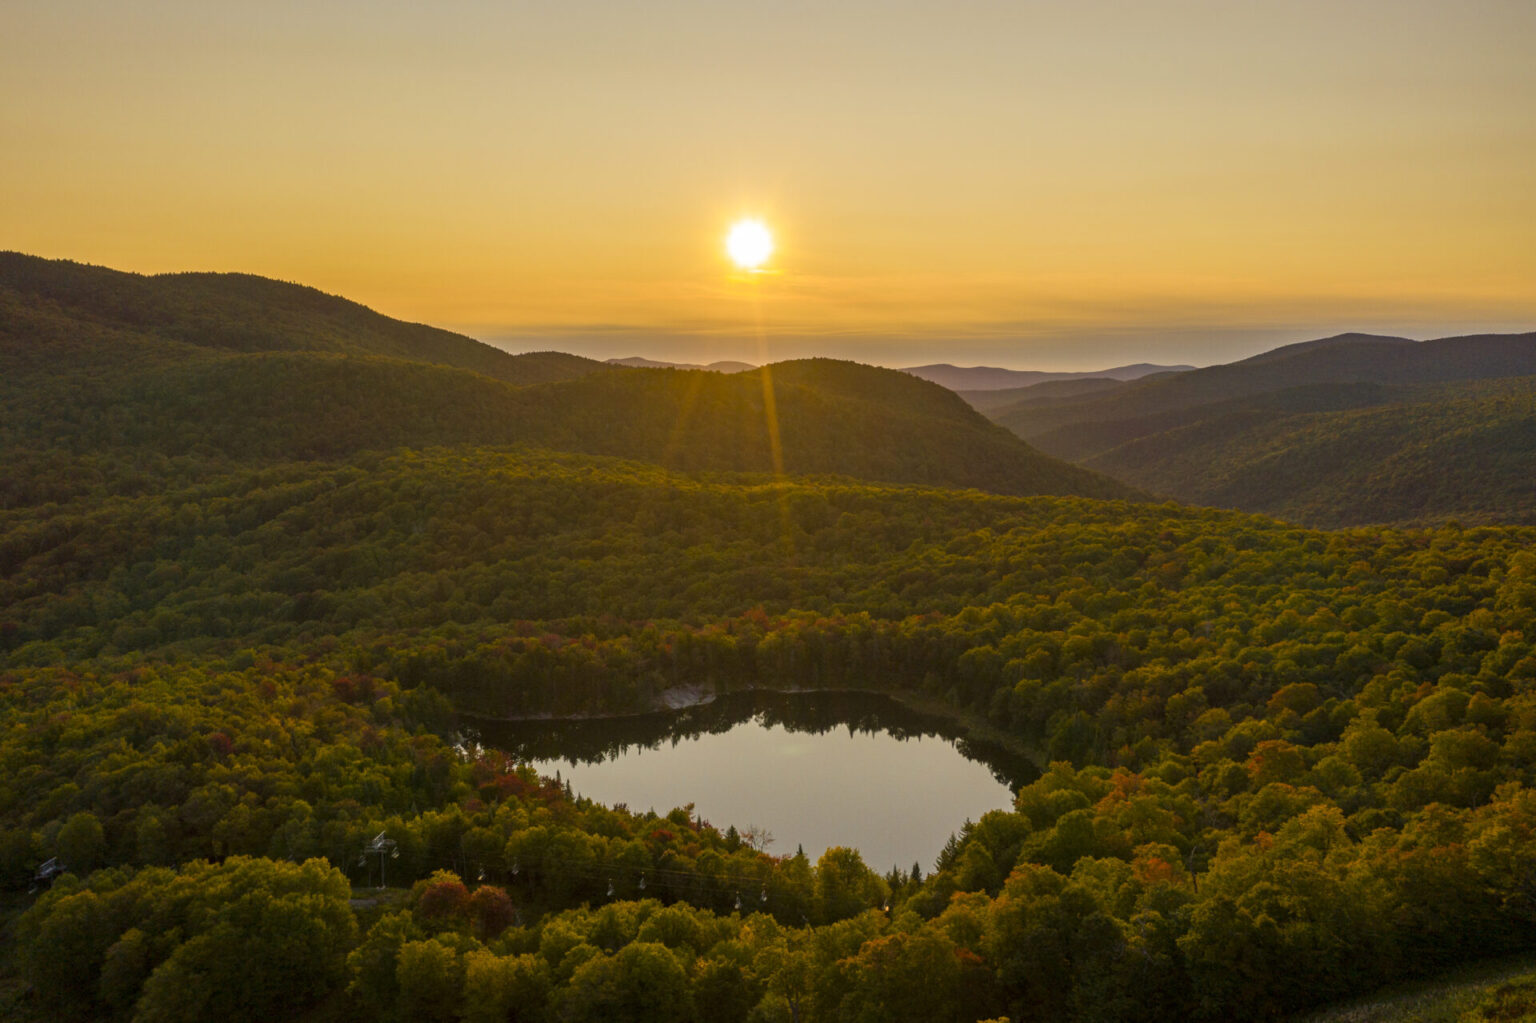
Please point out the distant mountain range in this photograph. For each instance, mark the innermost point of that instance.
(101, 369)
(234, 366)
(992, 378)
(723, 366)
(1349, 429)
(1047, 392)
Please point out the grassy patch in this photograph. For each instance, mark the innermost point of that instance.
(1500, 989)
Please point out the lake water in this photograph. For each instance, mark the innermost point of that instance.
(814, 769)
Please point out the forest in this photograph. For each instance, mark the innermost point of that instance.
(1342, 431)
(1280, 765)
(212, 366)
(1414, 455)
(1275, 753)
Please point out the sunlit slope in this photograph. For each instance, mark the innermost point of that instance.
(281, 549)
(56, 311)
(1465, 451)
(241, 366)
(830, 418)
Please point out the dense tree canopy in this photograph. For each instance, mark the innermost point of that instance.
(1278, 765)
(1288, 764)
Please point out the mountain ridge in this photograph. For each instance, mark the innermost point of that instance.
(1347, 430)
(1348, 337)
(239, 312)
(1465, 451)
(718, 366)
(1344, 359)
(988, 378)
(94, 360)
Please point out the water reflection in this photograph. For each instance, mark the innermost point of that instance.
(815, 769)
(596, 740)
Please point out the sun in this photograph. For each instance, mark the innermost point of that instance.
(749, 244)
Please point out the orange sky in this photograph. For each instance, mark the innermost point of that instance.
(1032, 184)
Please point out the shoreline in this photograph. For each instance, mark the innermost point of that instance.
(973, 726)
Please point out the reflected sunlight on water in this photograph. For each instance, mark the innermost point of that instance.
(814, 769)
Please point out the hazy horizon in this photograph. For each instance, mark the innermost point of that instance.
(1053, 355)
(1050, 185)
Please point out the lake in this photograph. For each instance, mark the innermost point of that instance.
(814, 769)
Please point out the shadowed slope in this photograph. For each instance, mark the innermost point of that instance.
(1465, 451)
(239, 367)
(1097, 423)
(54, 307)
(1047, 392)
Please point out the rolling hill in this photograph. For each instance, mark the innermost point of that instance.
(241, 609)
(720, 366)
(1246, 722)
(55, 310)
(1466, 451)
(99, 360)
(988, 378)
(833, 418)
(1046, 392)
(1098, 422)
(1344, 430)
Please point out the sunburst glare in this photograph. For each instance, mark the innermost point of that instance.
(749, 244)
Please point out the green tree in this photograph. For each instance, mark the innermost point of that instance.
(641, 983)
(498, 989)
(372, 966)
(81, 842)
(272, 938)
(903, 977)
(430, 977)
(845, 886)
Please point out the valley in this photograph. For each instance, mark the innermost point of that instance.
(255, 585)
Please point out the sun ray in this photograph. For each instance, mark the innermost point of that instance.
(685, 407)
(771, 424)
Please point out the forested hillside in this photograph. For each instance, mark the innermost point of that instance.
(246, 596)
(1047, 392)
(1096, 423)
(1346, 430)
(1464, 451)
(59, 314)
(94, 360)
(1290, 764)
